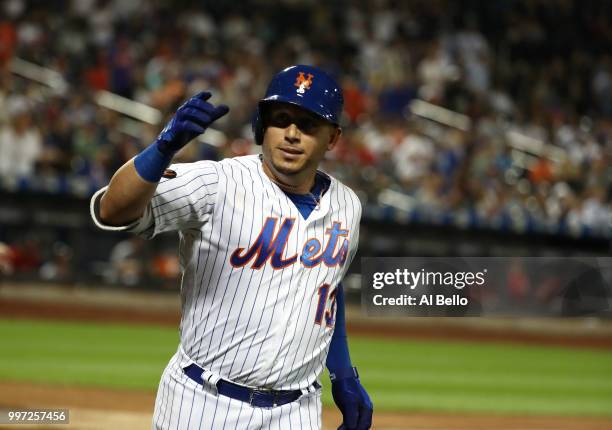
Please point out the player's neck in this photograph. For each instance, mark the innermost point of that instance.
(296, 184)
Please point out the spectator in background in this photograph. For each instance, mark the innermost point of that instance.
(24, 256)
(8, 40)
(435, 72)
(473, 55)
(58, 147)
(59, 266)
(122, 68)
(127, 262)
(602, 85)
(355, 100)
(595, 211)
(6, 260)
(20, 141)
(413, 157)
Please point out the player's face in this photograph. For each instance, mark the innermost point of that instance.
(295, 140)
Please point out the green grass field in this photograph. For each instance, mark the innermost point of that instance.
(399, 375)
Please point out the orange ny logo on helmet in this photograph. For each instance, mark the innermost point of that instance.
(303, 83)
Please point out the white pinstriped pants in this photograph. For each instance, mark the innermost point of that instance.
(183, 404)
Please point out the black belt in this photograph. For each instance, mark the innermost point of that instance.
(259, 398)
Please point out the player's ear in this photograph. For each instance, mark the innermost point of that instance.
(334, 138)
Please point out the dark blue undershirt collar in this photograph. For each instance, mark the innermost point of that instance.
(306, 203)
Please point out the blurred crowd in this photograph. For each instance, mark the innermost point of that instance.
(130, 262)
(540, 70)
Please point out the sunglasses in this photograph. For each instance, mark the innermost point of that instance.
(283, 119)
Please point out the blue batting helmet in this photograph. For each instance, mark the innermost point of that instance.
(305, 86)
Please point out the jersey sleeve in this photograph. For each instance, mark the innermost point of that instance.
(181, 203)
(186, 201)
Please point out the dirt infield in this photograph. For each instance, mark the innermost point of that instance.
(103, 409)
(94, 408)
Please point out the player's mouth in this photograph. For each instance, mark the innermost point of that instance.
(291, 152)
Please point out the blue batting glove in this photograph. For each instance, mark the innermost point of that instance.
(352, 400)
(189, 121)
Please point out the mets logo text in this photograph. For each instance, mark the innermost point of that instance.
(303, 83)
(270, 246)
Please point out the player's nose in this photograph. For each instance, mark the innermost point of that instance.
(292, 133)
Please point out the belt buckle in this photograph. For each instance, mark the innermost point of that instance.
(274, 393)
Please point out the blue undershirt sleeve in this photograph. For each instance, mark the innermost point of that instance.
(338, 357)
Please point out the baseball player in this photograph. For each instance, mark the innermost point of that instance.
(265, 241)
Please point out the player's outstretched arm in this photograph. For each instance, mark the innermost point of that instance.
(133, 185)
(347, 391)
(127, 196)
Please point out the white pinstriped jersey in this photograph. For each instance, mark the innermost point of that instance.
(258, 280)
